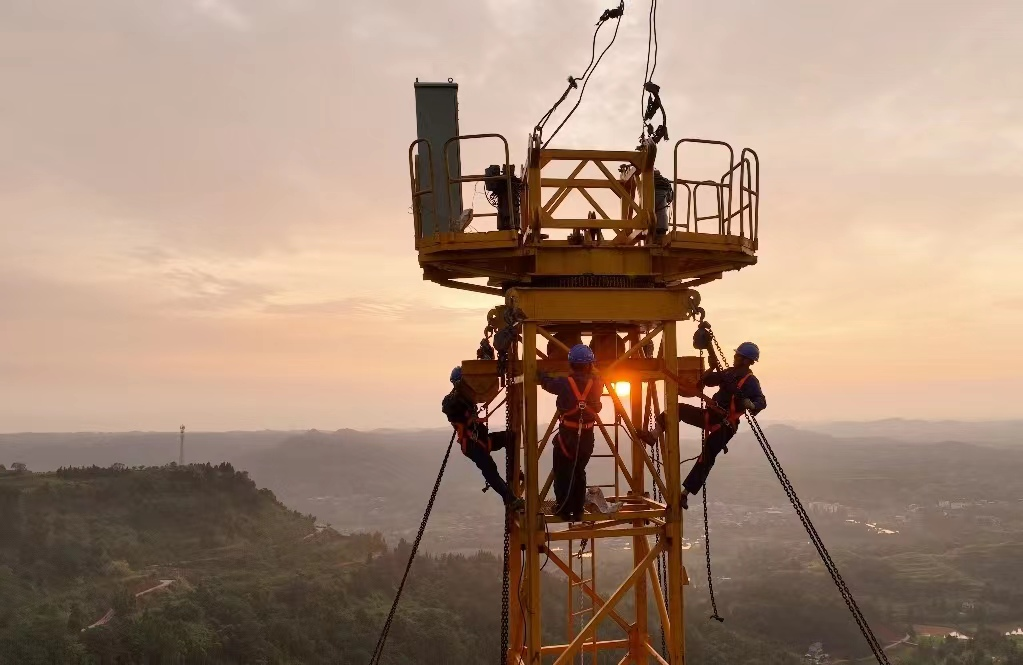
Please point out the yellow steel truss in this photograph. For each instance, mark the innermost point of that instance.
(652, 526)
(631, 284)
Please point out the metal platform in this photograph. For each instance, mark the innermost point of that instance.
(658, 232)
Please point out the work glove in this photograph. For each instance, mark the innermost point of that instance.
(748, 405)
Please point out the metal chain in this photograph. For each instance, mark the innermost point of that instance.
(378, 651)
(804, 518)
(662, 564)
(811, 530)
(706, 528)
(510, 448)
(706, 549)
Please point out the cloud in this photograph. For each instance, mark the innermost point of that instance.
(222, 12)
(212, 196)
(381, 311)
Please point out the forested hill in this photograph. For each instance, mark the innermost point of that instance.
(195, 564)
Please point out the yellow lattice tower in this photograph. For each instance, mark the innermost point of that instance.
(624, 278)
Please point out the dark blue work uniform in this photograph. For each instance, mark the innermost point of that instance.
(734, 386)
(476, 441)
(578, 405)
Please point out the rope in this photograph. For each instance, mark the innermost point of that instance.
(378, 651)
(811, 530)
(608, 14)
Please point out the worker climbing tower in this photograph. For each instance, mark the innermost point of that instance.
(595, 246)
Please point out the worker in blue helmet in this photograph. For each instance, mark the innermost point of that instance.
(738, 392)
(476, 441)
(578, 405)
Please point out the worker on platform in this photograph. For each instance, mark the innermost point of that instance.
(578, 404)
(476, 441)
(738, 391)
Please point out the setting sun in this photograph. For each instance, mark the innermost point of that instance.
(622, 389)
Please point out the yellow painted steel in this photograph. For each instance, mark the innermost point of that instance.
(533, 249)
(626, 283)
(651, 526)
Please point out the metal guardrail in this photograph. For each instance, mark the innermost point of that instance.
(418, 191)
(740, 183)
(507, 176)
(735, 210)
(415, 179)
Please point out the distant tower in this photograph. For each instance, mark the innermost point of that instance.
(181, 454)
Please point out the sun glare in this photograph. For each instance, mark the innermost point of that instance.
(622, 389)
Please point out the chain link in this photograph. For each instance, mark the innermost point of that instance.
(662, 564)
(378, 651)
(706, 524)
(510, 449)
(706, 549)
(804, 518)
(811, 530)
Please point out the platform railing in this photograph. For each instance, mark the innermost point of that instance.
(506, 176)
(735, 193)
(415, 179)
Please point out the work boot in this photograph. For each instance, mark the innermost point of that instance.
(647, 437)
(685, 500)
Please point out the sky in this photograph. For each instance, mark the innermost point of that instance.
(204, 204)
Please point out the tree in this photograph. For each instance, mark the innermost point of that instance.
(76, 618)
(19, 467)
(123, 602)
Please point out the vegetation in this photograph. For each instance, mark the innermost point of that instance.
(987, 646)
(251, 581)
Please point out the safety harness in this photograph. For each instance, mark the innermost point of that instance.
(469, 430)
(733, 414)
(574, 418)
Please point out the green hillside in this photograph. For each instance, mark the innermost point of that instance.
(195, 564)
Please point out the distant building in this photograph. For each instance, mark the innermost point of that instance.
(825, 508)
(816, 655)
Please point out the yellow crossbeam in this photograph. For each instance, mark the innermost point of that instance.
(566, 656)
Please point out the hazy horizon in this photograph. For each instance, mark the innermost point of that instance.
(797, 424)
(204, 204)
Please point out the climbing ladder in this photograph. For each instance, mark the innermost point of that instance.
(581, 606)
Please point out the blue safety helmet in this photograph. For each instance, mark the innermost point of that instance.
(456, 374)
(749, 350)
(580, 354)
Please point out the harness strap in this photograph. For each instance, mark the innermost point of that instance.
(566, 418)
(465, 434)
(734, 414)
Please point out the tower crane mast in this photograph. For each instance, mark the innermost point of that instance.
(590, 245)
